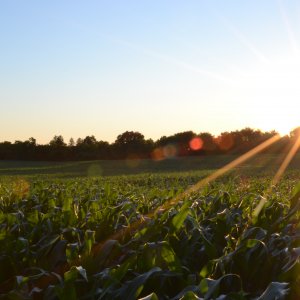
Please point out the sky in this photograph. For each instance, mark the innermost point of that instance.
(78, 68)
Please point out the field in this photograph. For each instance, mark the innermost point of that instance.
(127, 230)
(262, 162)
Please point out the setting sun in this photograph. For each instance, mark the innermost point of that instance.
(271, 92)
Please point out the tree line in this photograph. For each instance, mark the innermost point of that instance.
(132, 144)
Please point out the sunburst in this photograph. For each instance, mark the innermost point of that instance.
(294, 148)
(271, 73)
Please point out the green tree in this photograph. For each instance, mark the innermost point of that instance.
(57, 141)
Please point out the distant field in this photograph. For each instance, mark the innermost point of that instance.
(262, 162)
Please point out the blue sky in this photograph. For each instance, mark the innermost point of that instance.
(79, 68)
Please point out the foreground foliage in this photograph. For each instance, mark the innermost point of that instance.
(98, 239)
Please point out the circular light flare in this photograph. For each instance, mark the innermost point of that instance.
(157, 154)
(133, 161)
(170, 151)
(196, 143)
(225, 142)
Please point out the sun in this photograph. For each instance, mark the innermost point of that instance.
(281, 123)
(272, 94)
(285, 129)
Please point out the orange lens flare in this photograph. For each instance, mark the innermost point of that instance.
(157, 154)
(196, 143)
(225, 142)
(168, 151)
(21, 188)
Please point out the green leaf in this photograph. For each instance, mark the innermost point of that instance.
(190, 296)
(82, 272)
(67, 205)
(296, 195)
(72, 274)
(180, 217)
(152, 296)
(212, 288)
(293, 258)
(275, 290)
(21, 280)
(132, 289)
(106, 250)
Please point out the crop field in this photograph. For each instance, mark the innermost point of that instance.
(261, 162)
(140, 236)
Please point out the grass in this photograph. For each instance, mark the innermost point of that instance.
(265, 162)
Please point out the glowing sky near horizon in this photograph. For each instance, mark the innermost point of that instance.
(80, 68)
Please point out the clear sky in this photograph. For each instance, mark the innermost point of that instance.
(80, 68)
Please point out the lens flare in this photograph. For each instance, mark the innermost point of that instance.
(170, 151)
(225, 142)
(21, 188)
(133, 161)
(196, 143)
(157, 154)
(94, 170)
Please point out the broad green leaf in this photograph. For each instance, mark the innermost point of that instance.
(180, 217)
(73, 273)
(275, 290)
(132, 289)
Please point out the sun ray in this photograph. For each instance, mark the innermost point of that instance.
(135, 225)
(237, 70)
(244, 40)
(286, 162)
(292, 38)
(278, 176)
(221, 171)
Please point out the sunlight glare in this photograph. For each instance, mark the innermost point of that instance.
(273, 92)
(278, 176)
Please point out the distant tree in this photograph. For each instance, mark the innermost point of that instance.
(208, 140)
(182, 142)
(87, 148)
(79, 142)
(132, 144)
(32, 141)
(71, 142)
(129, 142)
(225, 141)
(89, 141)
(57, 141)
(129, 137)
(104, 150)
